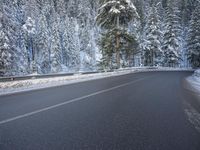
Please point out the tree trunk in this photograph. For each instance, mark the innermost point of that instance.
(117, 45)
(152, 58)
(129, 60)
(117, 51)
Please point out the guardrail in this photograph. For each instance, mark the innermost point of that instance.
(18, 78)
(90, 72)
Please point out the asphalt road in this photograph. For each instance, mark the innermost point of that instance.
(142, 111)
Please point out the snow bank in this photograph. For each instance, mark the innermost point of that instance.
(194, 82)
(197, 74)
(195, 79)
(191, 109)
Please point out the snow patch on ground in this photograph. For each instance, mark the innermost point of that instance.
(194, 81)
(192, 113)
(197, 74)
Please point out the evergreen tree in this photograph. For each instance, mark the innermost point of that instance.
(71, 44)
(5, 54)
(194, 38)
(61, 9)
(171, 45)
(43, 59)
(107, 44)
(56, 64)
(153, 53)
(8, 44)
(116, 14)
(21, 51)
(87, 46)
(29, 28)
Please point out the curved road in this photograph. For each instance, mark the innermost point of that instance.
(141, 111)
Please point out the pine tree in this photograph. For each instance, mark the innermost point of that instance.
(43, 59)
(153, 53)
(107, 44)
(87, 46)
(87, 36)
(172, 33)
(61, 9)
(8, 44)
(194, 38)
(30, 31)
(5, 54)
(73, 45)
(116, 14)
(56, 64)
(21, 51)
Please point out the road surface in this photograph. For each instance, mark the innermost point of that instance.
(142, 111)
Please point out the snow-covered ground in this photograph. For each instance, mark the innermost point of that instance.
(193, 85)
(35, 84)
(194, 82)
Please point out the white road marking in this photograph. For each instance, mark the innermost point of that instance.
(68, 102)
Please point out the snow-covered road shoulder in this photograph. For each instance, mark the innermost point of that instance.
(12, 87)
(192, 97)
(194, 80)
(194, 84)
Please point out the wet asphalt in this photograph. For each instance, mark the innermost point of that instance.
(142, 111)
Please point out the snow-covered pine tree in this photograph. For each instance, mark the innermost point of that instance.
(87, 33)
(129, 48)
(71, 46)
(194, 38)
(171, 45)
(33, 7)
(43, 56)
(62, 12)
(116, 14)
(87, 46)
(64, 27)
(21, 51)
(9, 29)
(5, 54)
(56, 57)
(153, 53)
(187, 8)
(29, 28)
(61, 8)
(107, 44)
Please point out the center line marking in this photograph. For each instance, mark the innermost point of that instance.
(68, 102)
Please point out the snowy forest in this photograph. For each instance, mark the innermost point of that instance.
(55, 36)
